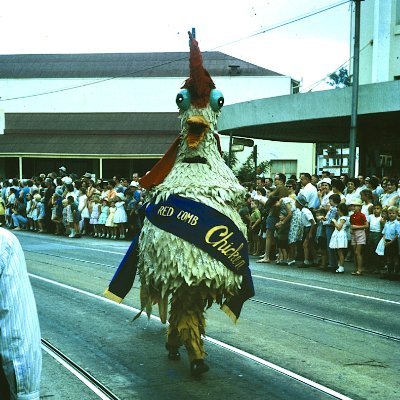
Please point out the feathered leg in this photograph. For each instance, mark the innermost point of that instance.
(187, 322)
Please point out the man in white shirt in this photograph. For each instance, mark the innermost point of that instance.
(20, 344)
(309, 191)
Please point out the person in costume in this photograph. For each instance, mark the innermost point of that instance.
(192, 249)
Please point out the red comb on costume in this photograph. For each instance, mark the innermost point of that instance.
(199, 83)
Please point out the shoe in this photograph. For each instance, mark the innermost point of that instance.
(173, 352)
(95, 235)
(198, 367)
(122, 237)
(17, 229)
(263, 260)
(340, 270)
(289, 263)
(357, 273)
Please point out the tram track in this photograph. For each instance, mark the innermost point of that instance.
(325, 319)
(104, 393)
(84, 376)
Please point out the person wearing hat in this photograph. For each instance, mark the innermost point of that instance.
(325, 191)
(309, 226)
(62, 171)
(358, 226)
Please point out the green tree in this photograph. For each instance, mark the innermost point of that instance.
(234, 159)
(246, 170)
(339, 79)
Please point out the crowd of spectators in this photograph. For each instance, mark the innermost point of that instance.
(323, 221)
(306, 221)
(64, 204)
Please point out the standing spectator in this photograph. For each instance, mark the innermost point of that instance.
(309, 227)
(280, 188)
(325, 191)
(334, 201)
(73, 217)
(282, 230)
(338, 188)
(255, 222)
(358, 226)
(390, 233)
(2, 211)
(83, 209)
(273, 211)
(375, 223)
(309, 191)
(20, 346)
(94, 211)
(320, 236)
(351, 192)
(48, 194)
(103, 218)
(110, 225)
(368, 202)
(40, 213)
(339, 240)
(120, 217)
(374, 185)
(391, 196)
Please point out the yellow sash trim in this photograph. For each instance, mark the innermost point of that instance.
(229, 313)
(112, 296)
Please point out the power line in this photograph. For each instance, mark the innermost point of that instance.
(315, 84)
(264, 30)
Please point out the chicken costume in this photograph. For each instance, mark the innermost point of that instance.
(192, 250)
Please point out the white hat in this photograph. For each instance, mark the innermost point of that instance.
(121, 195)
(325, 180)
(134, 183)
(62, 169)
(356, 202)
(67, 180)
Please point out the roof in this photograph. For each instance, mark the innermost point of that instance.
(95, 144)
(86, 122)
(169, 64)
(89, 134)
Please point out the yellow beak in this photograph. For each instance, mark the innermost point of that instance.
(197, 128)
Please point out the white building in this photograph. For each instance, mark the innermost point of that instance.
(116, 113)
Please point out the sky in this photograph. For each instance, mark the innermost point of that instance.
(307, 50)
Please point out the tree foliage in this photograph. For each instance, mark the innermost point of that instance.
(234, 159)
(339, 79)
(246, 172)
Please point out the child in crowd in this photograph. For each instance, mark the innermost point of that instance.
(74, 217)
(29, 201)
(120, 217)
(358, 226)
(308, 222)
(84, 211)
(110, 225)
(255, 221)
(320, 236)
(105, 209)
(40, 213)
(391, 233)
(94, 210)
(339, 240)
(334, 201)
(2, 211)
(65, 216)
(375, 223)
(282, 233)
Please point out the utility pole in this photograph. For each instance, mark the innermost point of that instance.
(354, 100)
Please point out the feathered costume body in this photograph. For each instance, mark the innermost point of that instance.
(170, 266)
(173, 270)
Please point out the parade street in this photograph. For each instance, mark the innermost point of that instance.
(306, 334)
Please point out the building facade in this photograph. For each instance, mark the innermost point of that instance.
(111, 114)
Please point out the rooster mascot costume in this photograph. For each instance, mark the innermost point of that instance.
(192, 249)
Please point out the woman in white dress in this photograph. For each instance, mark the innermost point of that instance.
(83, 209)
(340, 237)
(120, 217)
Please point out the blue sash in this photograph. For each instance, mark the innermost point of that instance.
(204, 227)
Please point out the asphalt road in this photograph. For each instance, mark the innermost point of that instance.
(318, 325)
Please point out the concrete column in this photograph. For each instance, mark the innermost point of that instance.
(382, 37)
(2, 122)
(100, 168)
(20, 167)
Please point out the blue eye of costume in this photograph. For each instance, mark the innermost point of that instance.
(183, 99)
(216, 99)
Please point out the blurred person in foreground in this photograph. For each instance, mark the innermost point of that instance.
(20, 349)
